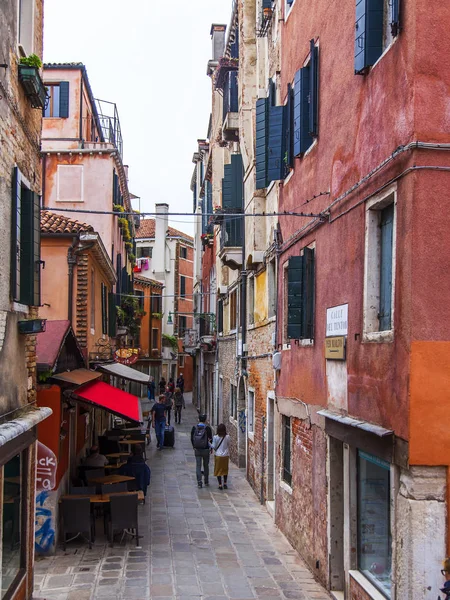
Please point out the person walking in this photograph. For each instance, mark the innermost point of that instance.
(151, 388)
(446, 573)
(180, 383)
(221, 447)
(162, 385)
(179, 404)
(159, 420)
(201, 438)
(171, 385)
(169, 404)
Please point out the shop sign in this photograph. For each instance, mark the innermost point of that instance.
(335, 348)
(126, 356)
(46, 468)
(337, 320)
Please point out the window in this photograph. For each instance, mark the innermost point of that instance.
(182, 286)
(251, 411)
(181, 360)
(183, 252)
(306, 103)
(156, 305)
(233, 401)
(26, 26)
(379, 280)
(374, 527)
(14, 500)
(25, 242)
(288, 7)
(140, 296)
(220, 316)
(299, 296)
(155, 338)
(182, 325)
(144, 252)
(251, 300)
(232, 201)
(377, 24)
(105, 308)
(58, 100)
(92, 300)
(233, 308)
(287, 468)
(272, 288)
(69, 183)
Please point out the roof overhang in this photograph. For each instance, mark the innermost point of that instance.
(25, 420)
(119, 370)
(77, 376)
(358, 423)
(100, 254)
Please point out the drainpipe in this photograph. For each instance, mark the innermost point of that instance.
(72, 254)
(261, 493)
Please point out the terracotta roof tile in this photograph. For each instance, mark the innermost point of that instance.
(55, 223)
(147, 230)
(147, 281)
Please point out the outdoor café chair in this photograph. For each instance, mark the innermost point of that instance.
(113, 488)
(123, 516)
(77, 519)
(85, 490)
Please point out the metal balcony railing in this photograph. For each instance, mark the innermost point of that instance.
(109, 124)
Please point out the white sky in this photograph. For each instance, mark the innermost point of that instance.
(150, 59)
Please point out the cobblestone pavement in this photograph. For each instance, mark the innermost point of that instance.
(198, 544)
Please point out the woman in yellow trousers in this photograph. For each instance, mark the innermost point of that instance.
(220, 445)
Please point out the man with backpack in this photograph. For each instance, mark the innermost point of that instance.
(201, 438)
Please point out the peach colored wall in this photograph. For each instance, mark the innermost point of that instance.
(63, 128)
(95, 329)
(54, 278)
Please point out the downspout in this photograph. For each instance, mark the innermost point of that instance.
(81, 113)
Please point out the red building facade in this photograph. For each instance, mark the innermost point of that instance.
(363, 279)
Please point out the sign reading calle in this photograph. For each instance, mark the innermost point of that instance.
(337, 320)
(335, 348)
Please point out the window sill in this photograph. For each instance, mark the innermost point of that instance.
(305, 342)
(286, 347)
(378, 337)
(20, 308)
(368, 587)
(286, 487)
(288, 178)
(251, 436)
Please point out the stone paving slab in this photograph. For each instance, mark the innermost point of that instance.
(197, 544)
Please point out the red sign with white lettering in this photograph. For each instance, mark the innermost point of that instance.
(46, 468)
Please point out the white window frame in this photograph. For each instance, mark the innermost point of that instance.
(371, 301)
(26, 10)
(288, 9)
(251, 413)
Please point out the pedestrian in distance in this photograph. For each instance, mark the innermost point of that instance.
(162, 385)
(180, 383)
(137, 467)
(151, 388)
(201, 439)
(221, 447)
(159, 420)
(446, 573)
(171, 385)
(169, 404)
(179, 404)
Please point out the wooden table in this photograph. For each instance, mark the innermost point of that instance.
(132, 442)
(115, 466)
(111, 479)
(103, 498)
(117, 454)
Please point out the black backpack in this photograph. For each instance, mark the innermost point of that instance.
(200, 438)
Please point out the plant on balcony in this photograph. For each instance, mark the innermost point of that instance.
(157, 315)
(207, 239)
(130, 314)
(125, 227)
(171, 341)
(118, 208)
(31, 80)
(223, 68)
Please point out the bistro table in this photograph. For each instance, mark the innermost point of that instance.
(111, 479)
(114, 466)
(117, 454)
(103, 498)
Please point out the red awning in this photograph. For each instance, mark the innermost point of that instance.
(111, 399)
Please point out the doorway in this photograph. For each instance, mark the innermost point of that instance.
(336, 524)
(242, 425)
(270, 449)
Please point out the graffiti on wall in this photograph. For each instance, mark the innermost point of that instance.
(242, 421)
(44, 539)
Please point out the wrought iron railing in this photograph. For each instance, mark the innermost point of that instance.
(109, 124)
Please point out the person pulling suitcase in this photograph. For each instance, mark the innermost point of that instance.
(201, 438)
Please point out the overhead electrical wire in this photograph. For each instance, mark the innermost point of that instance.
(178, 214)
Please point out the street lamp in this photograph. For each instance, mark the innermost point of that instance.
(208, 315)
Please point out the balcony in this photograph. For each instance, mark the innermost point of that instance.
(230, 126)
(109, 124)
(32, 84)
(231, 237)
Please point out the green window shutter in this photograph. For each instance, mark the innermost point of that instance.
(30, 254)
(289, 130)
(368, 33)
(112, 314)
(64, 99)
(308, 293)
(262, 126)
(276, 139)
(295, 298)
(15, 234)
(313, 89)
(395, 17)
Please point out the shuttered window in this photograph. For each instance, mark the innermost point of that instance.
(262, 126)
(287, 468)
(300, 295)
(220, 316)
(182, 286)
(289, 130)
(386, 247)
(57, 100)
(25, 243)
(112, 314)
(233, 202)
(306, 103)
(104, 291)
(377, 22)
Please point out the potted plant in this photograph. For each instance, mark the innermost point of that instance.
(31, 80)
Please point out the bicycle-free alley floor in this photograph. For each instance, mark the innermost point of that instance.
(198, 544)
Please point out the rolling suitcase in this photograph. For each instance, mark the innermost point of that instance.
(169, 436)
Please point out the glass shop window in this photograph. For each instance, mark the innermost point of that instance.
(12, 511)
(374, 527)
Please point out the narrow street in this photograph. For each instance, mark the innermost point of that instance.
(206, 544)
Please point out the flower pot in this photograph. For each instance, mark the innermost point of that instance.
(267, 12)
(32, 84)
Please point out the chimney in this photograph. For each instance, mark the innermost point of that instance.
(161, 225)
(218, 41)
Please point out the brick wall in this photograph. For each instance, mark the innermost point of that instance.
(227, 368)
(357, 592)
(302, 515)
(82, 285)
